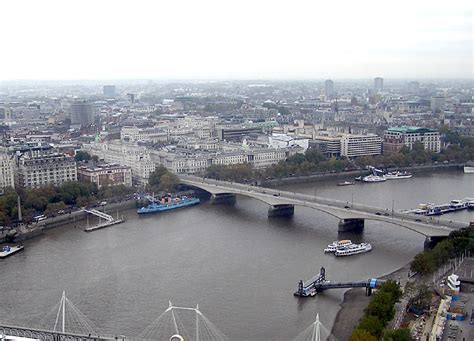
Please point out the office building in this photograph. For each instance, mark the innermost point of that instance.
(109, 90)
(6, 172)
(37, 168)
(329, 88)
(82, 113)
(378, 84)
(360, 145)
(125, 154)
(236, 134)
(438, 103)
(106, 175)
(395, 138)
(146, 134)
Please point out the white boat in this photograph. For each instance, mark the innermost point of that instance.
(338, 245)
(354, 249)
(469, 169)
(345, 183)
(7, 250)
(398, 175)
(374, 178)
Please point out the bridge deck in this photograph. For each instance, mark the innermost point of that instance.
(339, 209)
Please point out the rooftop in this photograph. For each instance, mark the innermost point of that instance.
(412, 130)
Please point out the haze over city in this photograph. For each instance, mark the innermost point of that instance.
(58, 40)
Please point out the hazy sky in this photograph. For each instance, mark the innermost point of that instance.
(102, 39)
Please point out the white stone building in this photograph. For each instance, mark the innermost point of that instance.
(136, 157)
(7, 178)
(360, 145)
(135, 134)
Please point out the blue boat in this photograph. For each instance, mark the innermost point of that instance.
(168, 204)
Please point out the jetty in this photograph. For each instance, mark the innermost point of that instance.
(109, 220)
(319, 283)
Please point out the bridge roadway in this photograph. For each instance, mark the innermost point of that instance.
(343, 210)
(48, 335)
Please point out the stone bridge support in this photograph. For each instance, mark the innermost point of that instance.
(351, 224)
(223, 198)
(281, 210)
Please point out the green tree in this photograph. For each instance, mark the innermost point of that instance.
(419, 295)
(372, 324)
(362, 335)
(54, 207)
(82, 156)
(154, 179)
(168, 182)
(422, 263)
(401, 334)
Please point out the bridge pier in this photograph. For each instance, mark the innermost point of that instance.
(281, 210)
(351, 224)
(223, 198)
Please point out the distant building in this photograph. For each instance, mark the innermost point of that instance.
(109, 90)
(395, 138)
(286, 141)
(135, 134)
(41, 168)
(414, 87)
(82, 113)
(360, 145)
(136, 157)
(329, 146)
(329, 88)
(7, 178)
(236, 134)
(378, 84)
(106, 175)
(438, 103)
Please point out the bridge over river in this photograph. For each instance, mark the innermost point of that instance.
(351, 215)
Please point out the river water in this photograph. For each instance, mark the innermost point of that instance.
(240, 266)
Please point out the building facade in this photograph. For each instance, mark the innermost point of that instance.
(360, 145)
(135, 134)
(82, 113)
(136, 157)
(378, 83)
(7, 178)
(329, 88)
(42, 168)
(106, 175)
(396, 138)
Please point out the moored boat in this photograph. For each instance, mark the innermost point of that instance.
(7, 250)
(469, 169)
(398, 175)
(168, 203)
(374, 178)
(345, 183)
(354, 249)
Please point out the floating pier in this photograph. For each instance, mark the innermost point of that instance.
(318, 284)
(109, 220)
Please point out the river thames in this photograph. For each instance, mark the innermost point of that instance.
(240, 266)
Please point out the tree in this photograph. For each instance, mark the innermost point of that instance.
(362, 335)
(393, 289)
(55, 207)
(154, 179)
(372, 324)
(419, 295)
(381, 305)
(82, 156)
(422, 263)
(401, 334)
(168, 182)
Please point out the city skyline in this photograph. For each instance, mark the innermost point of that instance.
(211, 40)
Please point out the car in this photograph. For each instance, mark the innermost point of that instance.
(346, 206)
(386, 214)
(61, 211)
(378, 213)
(103, 203)
(418, 220)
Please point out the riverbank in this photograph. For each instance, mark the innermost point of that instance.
(354, 303)
(354, 173)
(35, 230)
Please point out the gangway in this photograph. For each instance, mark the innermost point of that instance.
(109, 220)
(319, 283)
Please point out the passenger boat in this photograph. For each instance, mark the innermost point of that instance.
(338, 245)
(7, 250)
(354, 249)
(168, 203)
(345, 183)
(469, 169)
(398, 175)
(374, 178)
